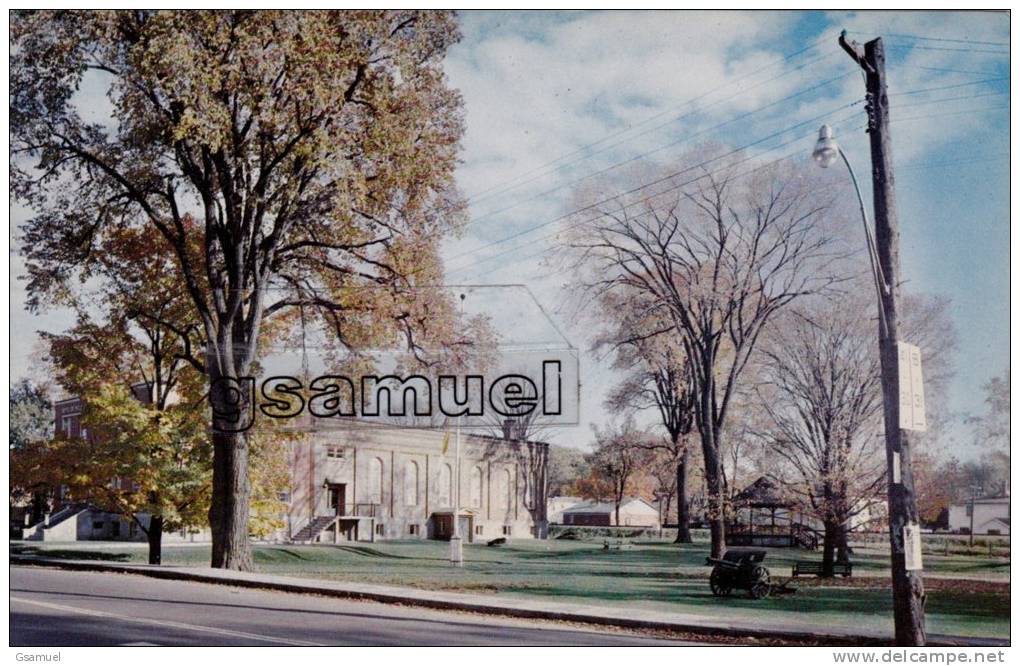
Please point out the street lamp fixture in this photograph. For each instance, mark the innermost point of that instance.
(826, 149)
(825, 153)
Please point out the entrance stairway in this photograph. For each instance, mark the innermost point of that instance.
(314, 528)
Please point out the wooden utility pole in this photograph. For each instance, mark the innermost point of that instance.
(908, 586)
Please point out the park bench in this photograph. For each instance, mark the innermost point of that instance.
(802, 568)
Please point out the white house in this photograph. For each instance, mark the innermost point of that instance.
(634, 512)
(991, 516)
(557, 505)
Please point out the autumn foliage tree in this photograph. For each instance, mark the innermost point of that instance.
(313, 150)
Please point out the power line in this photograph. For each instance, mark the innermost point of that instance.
(930, 39)
(951, 113)
(685, 139)
(947, 69)
(951, 99)
(659, 180)
(624, 207)
(647, 131)
(948, 87)
(690, 102)
(914, 47)
(965, 160)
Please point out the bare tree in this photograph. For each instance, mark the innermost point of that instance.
(620, 452)
(822, 394)
(657, 376)
(716, 258)
(824, 411)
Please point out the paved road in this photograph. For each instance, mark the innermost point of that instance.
(52, 607)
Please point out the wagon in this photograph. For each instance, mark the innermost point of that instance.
(740, 569)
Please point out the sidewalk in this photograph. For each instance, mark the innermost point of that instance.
(631, 618)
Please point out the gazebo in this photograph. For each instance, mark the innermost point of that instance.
(768, 495)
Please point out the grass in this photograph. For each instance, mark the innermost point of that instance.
(966, 596)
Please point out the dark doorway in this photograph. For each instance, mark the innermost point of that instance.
(337, 494)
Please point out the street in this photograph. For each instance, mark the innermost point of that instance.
(51, 607)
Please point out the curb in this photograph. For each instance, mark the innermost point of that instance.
(469, 605)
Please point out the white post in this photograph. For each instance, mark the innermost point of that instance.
(456, 544)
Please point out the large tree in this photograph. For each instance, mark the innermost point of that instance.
(718, 253)
(821, 391)
(657, 377)
(315, 151)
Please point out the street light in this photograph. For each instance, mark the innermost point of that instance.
(825, 153)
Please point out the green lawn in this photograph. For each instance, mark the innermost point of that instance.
(969, 597)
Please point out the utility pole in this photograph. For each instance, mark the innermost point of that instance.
(908, 586)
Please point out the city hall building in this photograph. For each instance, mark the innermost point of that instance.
(361, 481)
(366, 481)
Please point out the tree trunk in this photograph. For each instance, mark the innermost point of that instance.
(829, 548)
(683, 517)
(155, 538)
(713, 482)
(228, 511)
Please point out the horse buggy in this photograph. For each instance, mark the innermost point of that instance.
(740, 569)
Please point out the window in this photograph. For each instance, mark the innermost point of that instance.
(380, 529)
(476, 487)
(479, 529)
(412, 529)
(97, 524)
(66, 424)
(84, 433)
(506, 530)
(284, 496)
(445, 495)
(411, 483)
(116, 528)
(970, 510)
(336, 451)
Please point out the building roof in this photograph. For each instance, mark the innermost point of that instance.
(763, 493)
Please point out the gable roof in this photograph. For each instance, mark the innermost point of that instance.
(764, 493)
(606, 507)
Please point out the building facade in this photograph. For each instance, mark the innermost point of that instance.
(985, 515)
(361, 481)
(366, 481)
(634, 512)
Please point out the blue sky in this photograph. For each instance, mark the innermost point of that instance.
(542, 87)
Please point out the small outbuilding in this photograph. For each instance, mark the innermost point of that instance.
(634, 512)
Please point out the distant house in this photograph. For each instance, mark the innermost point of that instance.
(991, 516)
(634, 512)
(557, 505)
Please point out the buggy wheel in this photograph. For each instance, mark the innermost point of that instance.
(761, 583)
(719, 589)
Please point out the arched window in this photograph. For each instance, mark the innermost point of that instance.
(476, 487)
(411, 483)
(445, 495)
(375, 480)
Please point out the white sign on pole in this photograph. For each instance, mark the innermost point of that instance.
(911, 388)
(896, 467)
(912, 547)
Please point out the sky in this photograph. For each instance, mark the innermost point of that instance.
(554, 97)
